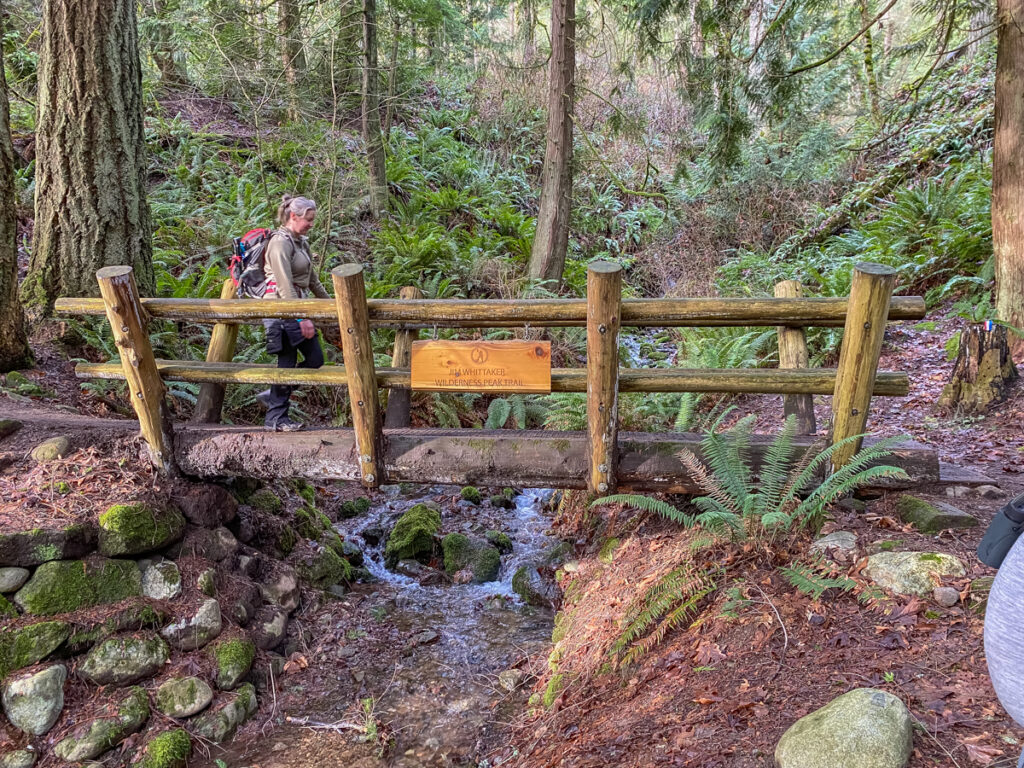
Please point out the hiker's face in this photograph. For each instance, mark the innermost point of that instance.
(300, 225)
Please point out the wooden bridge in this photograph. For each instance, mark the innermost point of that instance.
(600, 459)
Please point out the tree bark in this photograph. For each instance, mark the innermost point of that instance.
(14, 351)
(173, 75)
(1008, 168)
(982, 372)
(528, 28)
(869, 63)
(547, 257)
(371, 112)
(91, 208)
(289, 27)
(389, 100)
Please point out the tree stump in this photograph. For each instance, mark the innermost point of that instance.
(983, 370)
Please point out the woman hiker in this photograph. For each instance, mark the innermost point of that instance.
(291, 274)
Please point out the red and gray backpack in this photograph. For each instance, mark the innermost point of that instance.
(246, 264)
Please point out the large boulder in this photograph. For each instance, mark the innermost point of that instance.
(234, 659)
(220, 723)
(24, 646)
(412, 538)
(162, 581)
(170, 749)
(33, 702)
(93, 738)
(41, 545)
(197, 630)
(865, 728)
(133, 529)
(480, 558)
(125, 660)
(932, 516)
(208, 506)
(13, 579)
(911, 573)
(183, 697)
(70, 585)
(323, 567)
(214, 544)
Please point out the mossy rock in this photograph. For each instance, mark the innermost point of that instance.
(607, 552)
(533, 588)
(7, 610)
(21, 758)
(183, 697)
(125, 660)
(162, 581)
(324, 568)
(287, 540)
(412, 538)
(932, 517)
(133, 529)
(911, 573)
(92, 739)
(52, 449)
(234, 660)
(554, 687)
(41, 545)
(265, 500)
(170, 749)
(305, 490)
(219, 725)
(70, 585)
(132, 618)
(499, 540)
(8, 427)
(195, 631)
(20, 384)
(24, 646)
(471, 494)
(309, 525)
(460, 551)
(354, 508)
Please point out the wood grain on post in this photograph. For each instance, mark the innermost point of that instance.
(604, 299)
(793, 355)
(221, 350)
(858, 359)
(350, 298)
(129, 323)
(399, 400)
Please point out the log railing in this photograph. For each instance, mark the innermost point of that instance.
(863, 316)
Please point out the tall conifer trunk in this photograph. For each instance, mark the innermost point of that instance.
(371, 112)
(13, 345)
(289, 27)
(1008, 168)
(547, 257)
(161, 46)
(91, 208)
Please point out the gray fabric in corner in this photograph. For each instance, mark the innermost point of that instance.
(1004, 633)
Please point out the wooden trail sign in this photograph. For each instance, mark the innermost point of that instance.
(481, 366)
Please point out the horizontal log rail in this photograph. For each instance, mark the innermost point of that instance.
(810, 381)
(461, 313)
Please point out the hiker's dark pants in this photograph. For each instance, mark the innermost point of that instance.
(284, 339)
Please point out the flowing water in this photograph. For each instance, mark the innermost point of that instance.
(430, 657)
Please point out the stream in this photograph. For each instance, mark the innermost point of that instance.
(426, 658)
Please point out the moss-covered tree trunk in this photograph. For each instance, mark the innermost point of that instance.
(91, 208)
(166, 57)
(982, 372)
(289, 27)
(371, 112)
(547, 257)
(13, 345)
(1008, 168)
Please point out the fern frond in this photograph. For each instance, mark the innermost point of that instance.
(645, 504)
(775, 467)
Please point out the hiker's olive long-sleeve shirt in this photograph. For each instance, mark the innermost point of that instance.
(289, 267)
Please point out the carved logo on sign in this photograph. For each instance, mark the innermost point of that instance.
(478, 355)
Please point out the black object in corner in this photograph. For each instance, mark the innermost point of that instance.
(1002, 532)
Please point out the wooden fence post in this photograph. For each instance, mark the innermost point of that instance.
(793, 354)
(400, 400)
(354, 317)
(129, 322)
(866, 316)
(221, 350)
(604, 299)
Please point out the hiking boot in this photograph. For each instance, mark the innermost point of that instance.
(286, 425)
(263, 398)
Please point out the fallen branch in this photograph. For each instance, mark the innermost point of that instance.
(338, 725)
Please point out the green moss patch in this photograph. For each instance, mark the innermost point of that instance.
(106, 733)
(499, 540)
(325, 568)
(354, 508)
(27, 645)
(70, 585)
(40, 545)
(412, 538)
(461, 552)
(170, 749)
(471, 494)
(234, 660)
(265, 500)
(132, 529)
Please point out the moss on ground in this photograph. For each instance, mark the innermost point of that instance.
(499, 540)
(265, 500)
(171, 749)
(412, 538)
(354, 508)
(471, 494)
(554, 687)
(304, 489)
(287, 540)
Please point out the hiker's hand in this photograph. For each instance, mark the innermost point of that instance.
(307, 328)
